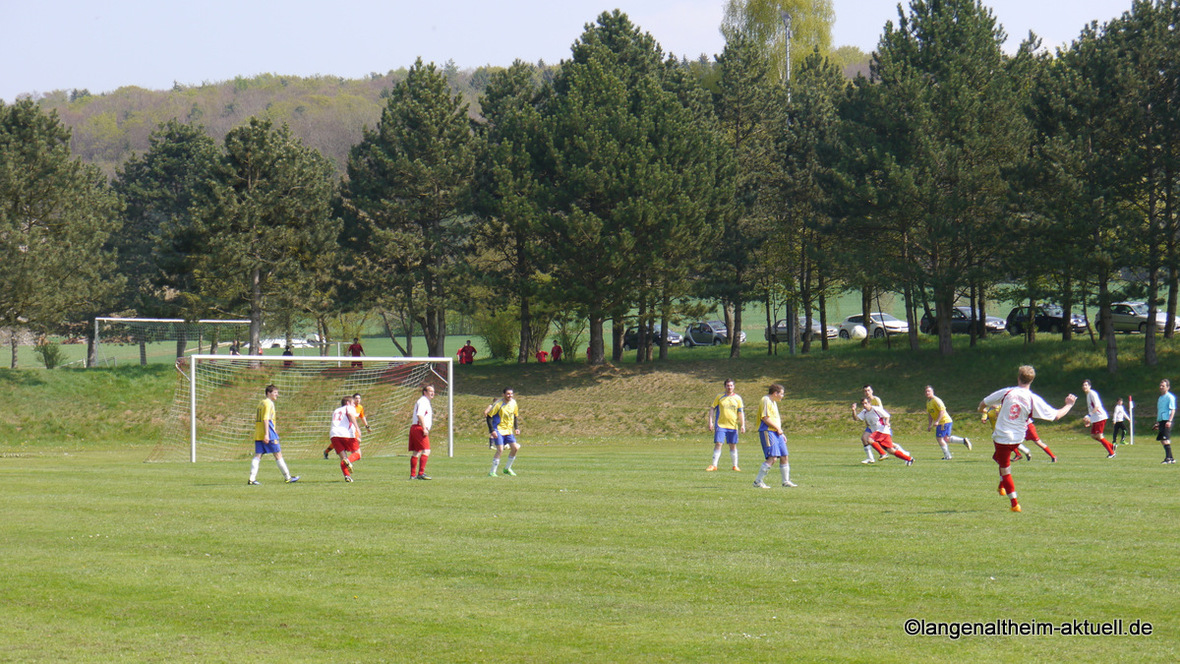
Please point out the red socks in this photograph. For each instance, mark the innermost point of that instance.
(901, 455)
(877, 446)
(1009, 487)
(1107, 445)
(344, 469)
(413, 466)
(422, 464)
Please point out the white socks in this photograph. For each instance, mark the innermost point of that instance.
(254, 468)
(283, 467)
(733, 455)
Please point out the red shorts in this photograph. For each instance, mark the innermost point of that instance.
(345, 444)
(1003, 454)
(1030, 433)
(419, 441)
(882, 439)
(1097, 428)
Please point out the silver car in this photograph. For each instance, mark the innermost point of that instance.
(1132, 317)
(778, 333)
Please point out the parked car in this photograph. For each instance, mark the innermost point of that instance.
(879, 324)
(631, 337)
(961, 320)
(1047, 319)
(708, 333)
(1132, 317)
(779, 333)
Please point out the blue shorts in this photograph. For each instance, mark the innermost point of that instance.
(943, 430)
(725, 436)
(495, 438)
(261, 447)
(503, 439)
(774, 444)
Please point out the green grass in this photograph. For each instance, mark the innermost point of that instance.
(616, 552)
(612, 545)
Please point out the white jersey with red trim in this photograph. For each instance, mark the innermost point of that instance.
(1017, 405)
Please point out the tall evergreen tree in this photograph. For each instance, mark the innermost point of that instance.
(265, 222)
(56, 216)
(159, 189)
(619, 171)
(409, 185)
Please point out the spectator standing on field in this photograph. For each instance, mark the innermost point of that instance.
(467, 353)
(266, 437)
(555, 352)
(1165, 410)
(1017, 407)
(727, 416)
(356, 350)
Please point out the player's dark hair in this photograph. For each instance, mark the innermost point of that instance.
(775, 387)
(357, 395)
(505, 390)
(271, 388)
(344, 401)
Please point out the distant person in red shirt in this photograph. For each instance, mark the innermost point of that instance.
(467, 353)
(542, 356)
(356, 350)
(555, 352)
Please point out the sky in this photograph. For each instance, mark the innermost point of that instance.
(102, 45)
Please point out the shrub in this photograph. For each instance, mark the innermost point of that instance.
(500, 331)
(50, 353)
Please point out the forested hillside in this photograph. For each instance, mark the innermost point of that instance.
(327, 113)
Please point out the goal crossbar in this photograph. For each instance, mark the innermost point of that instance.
(340, 362)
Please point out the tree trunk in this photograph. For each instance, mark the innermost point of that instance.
(596, 354)
(617, 326)
(823, 313)
(1067, 307)
(13, 342)
(256, 312)
(944, 299)
(735, 332)
(526, 331)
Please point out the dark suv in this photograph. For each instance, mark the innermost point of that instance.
(1047, 319)
(631, 337)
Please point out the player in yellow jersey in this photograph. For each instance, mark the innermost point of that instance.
(727, 416)
(938, 418)
(266, 437)
(774, 442)
(505, 413)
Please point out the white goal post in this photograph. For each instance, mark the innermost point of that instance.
(213, 412)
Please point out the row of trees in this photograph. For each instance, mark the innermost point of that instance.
(631, 185)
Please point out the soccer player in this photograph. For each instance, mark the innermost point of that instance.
(360, 419)
(1095, 417)
(345, 436)
(266, 437)
(555, 352)
(866, 437)
(876, 419)
(356, 350)
(1165, 410)
(506, 414)
(467, 353)
(420, 422)
(774, 443)
(1030, 434)
(726, 417)
(937, 415)
(1119, 419)
(1017, 406)
(542, 356)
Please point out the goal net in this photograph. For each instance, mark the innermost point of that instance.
(144, 340)
(212, 414)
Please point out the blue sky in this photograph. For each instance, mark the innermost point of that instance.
(101, 45)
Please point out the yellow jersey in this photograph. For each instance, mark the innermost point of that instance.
(264, 414)
(768, 410)
(507, 412)
(936, 409)
(727, 411)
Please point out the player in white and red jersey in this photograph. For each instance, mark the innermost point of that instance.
(1096, 417)
(876, 419)
(1017, 405)
(345, 437)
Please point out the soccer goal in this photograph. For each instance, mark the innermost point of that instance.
(212, 414)
(161, 339)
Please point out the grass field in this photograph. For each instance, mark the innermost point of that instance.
(608, 552)
(612, 545)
